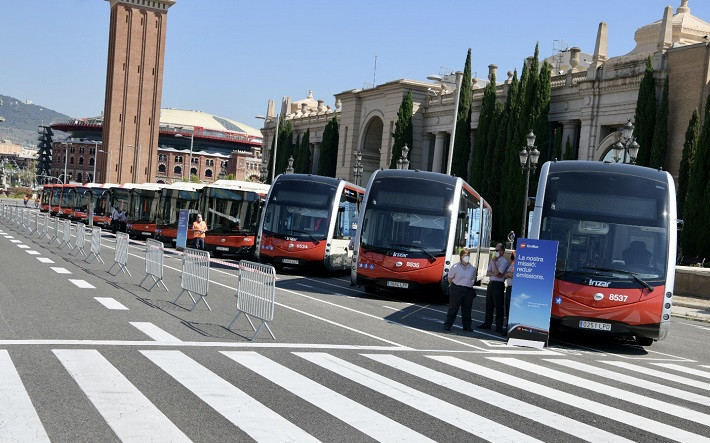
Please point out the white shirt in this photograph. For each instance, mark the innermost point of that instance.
(502, 265)
(462, 275)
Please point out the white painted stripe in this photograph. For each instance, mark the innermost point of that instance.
(23, 246)
(604, 410)
(110, 303)
(631, 397)
(60, 270)
(364, 419)
(9, 236)
(260, 422)
(451, 414)
(129, 413)
(680, 368)
(18, 417)
(45, 260)
(634, 381)
(31, 252)
(557, 421)
(83, 284)
(665, 375)
(154, 332)
(15, 241)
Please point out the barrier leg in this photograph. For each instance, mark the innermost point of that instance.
(180, 295)
(202, 298)
(263, 323)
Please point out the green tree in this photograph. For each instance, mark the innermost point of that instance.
(328, 159)
(686, 162)
(645, 116)
(302, 159)
(462, 138)
(696, 211)
(569, 152)
(482, 157)
(230, 177)
(512, 178)
(659, 145)
(403, 129)
(285, 148)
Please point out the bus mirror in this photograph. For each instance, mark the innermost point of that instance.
(680, 224)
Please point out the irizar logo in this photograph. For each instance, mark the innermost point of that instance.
(599, 283)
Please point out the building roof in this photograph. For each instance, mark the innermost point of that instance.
(184, 118)
(687, 30)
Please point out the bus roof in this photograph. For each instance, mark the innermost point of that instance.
(185, 186)
(317, 179)
(617, 168)
(240, 186)
(101, 185)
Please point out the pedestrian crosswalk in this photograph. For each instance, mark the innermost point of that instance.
(385, 396)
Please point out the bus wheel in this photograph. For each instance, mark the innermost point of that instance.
(371, 289)
(644, 341)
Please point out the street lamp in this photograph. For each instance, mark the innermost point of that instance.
(289, 169)
(528, 161)
(403, 161)
(357, 167)
(459, 78)
(192, 143)
(66, 157)
(626, 143)
(276, 141)
(96, 158)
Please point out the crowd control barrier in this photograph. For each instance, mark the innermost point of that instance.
(66, 235)
(55, 231)
(95, 251)
(256, 291)
(80, 239)
(28, 221)
(43, 226)
(154, 263)
(195, 276)
(121, 254)
(34, 226)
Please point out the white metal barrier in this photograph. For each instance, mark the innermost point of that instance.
(43, 226)
(256, 290)
(195, 275)
(66, 235)
(95, 251)
(27, 225)
(34, 227)
(55, 231)
(154, 263)
(121, 254)
(80, 239)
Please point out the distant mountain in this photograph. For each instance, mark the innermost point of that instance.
(22, 120)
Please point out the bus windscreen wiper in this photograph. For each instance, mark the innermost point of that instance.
(621, 271)
(431, 258)
(315, 240)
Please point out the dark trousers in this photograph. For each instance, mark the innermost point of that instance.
(508, 291)
(199, 243)
(494, 299)
(460, 296)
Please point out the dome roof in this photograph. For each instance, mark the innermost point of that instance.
(687, 30)
(183, 118)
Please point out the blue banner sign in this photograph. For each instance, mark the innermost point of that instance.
(183, 220)
(531, 297)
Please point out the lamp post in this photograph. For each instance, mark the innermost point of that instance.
(276, 142)
(528, 161)
(96, 158)
(403, 161)
(459, 78)
(66, 157)
(357, 167)
(289, 169)
(192, 144)
(626, 143)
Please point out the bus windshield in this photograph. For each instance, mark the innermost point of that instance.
(145, 203)
(172, 201)
(83, 199)
(299, 209)
(100, 197)
(613, 225)
(409, 215)
(68, 197)
(231, 211)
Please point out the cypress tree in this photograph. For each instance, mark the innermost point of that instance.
(557, 152)
(483, 151)
(569, 152)
(541, 125)
(328, 159)
(696, 241)
(302, 158)
(686, 162)
(285, 149)
(462, 138)
(645, 116)
(659, 144)
(403, 129)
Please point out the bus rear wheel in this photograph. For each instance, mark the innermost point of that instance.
(644, 341)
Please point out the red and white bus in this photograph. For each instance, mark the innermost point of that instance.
(173, 198)
(143, 210)
(309, 220)
(231, 210)
(413, 225)
(66, 202)
(616, 225)
(46, 196)
(100, 196)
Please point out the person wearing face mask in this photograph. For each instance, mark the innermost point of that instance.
(496, 289)
(461, 293)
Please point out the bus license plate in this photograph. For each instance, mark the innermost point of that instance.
(145, 233)
(222, 248)
(595, 325)
(289, 261)
(397, 284)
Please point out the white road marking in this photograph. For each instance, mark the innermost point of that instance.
(621, 394)
(83, 284)
(129, 413)
(60, 270)
(154, 332)
(561, 397)
(255, 419)
(362, 418)
(680, 368)
(23, 246)
(45, 260)
(31, 252)
(111, 303)
(557, 421)
(18, 416)
(15, 241)
(660, 374)
(9, 236)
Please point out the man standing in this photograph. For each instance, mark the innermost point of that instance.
(461, 292)
(496, 289)
(199, 227)
(115, 215)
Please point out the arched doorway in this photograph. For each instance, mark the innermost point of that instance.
(371, 145)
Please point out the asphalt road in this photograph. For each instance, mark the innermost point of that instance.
(88, 356)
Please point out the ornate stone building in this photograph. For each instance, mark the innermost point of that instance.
(592, 96)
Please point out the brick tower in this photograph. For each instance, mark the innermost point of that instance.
(134, 83)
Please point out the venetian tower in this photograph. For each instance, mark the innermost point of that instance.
(134, 83)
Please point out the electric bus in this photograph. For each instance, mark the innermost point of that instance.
(173, 198)
(309, 220)
(143, 210)
(66, 202)
(46, 196)
(616, 225)
(100, 195)
(82, 204)
(413, 225)
(55, 200)
(231, 211)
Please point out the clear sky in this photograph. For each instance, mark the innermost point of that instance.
(229, 57)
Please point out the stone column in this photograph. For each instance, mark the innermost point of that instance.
(438, 151)
(426, 145)
(315, 157)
